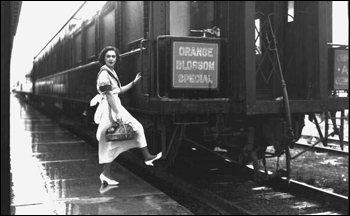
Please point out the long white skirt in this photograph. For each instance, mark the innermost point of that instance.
(109, 150)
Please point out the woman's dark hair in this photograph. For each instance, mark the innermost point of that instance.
(101, 57)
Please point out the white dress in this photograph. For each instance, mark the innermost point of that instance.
(109, 150)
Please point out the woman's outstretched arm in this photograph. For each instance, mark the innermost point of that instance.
(127, 87)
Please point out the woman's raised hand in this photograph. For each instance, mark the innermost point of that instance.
(138, 77)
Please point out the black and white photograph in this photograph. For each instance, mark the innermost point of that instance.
(174, 107)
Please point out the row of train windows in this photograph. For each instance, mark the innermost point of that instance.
(133, 26)
(52, 85)
(184, 16)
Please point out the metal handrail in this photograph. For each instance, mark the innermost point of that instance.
(141, 62)
(130, 52)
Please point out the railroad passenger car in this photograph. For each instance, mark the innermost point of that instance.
(238, 75)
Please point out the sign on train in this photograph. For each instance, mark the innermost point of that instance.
(341, 69)
(195, 65)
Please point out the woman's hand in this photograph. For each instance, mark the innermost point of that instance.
(137, 78)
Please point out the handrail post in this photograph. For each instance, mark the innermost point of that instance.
(141, 68)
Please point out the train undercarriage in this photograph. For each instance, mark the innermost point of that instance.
(238, 139)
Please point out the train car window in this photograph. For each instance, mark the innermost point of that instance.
(132, 21)
(190, 15)
(290, 11)
(38, 69)
(77, 49)
(55, 60)
(66, 57)
(47, 65)
(50, 64)
(58, 56)
(52, 61)
(257, 37)
(47, 68)
(42, 68)
(62, 57)
(340, 22)
(90, 41)
(108, 31)
(265, 60)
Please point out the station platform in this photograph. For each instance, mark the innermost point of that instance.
(54, 172)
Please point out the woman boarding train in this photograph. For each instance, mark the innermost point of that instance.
(109, 87)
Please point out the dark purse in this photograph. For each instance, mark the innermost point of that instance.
(120, 131)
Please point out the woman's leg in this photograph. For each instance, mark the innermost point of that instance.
(106, 175)
(107, 170)
(146, 154)
(149, 158)
(141, 139)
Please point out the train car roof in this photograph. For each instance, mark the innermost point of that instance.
(15, 10)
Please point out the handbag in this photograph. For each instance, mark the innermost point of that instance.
(120, 131)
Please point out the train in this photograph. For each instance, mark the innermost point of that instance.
(239, 76)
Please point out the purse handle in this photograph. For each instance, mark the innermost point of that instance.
(112, 75)
(118, 121)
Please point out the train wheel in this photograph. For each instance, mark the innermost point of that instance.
(278, 164)
(286, 170)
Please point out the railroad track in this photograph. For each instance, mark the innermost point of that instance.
(230, 190)
(322, 149)
(332, 145)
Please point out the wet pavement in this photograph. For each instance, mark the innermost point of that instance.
(55, 172)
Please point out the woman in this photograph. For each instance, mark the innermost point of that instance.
(109, 87)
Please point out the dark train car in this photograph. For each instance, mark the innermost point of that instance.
(239, 75)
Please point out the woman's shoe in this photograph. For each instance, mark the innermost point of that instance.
(103, 178)
(150, 162)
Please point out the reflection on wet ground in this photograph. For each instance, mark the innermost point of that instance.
(54, 172)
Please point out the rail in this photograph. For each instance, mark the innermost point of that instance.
(91, 64)
(302, 152)
(141, 67)
(132, 52)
